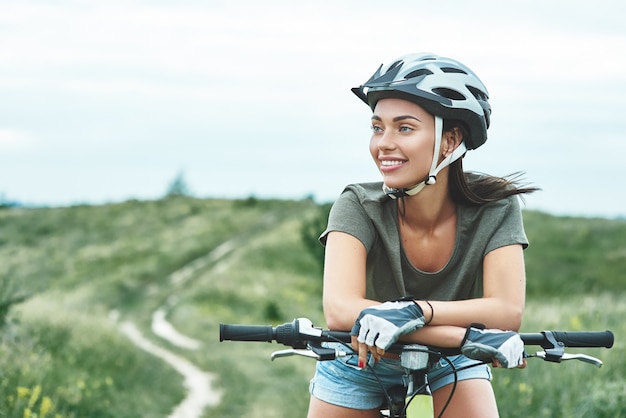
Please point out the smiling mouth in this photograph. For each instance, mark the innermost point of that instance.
(388, 163)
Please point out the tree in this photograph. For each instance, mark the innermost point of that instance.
(178, 186)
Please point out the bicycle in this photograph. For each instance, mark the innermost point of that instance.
(413, 399)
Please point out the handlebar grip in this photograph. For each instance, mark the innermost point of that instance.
(246, 333)
(586, 338)
(579, 339)
(342, 336)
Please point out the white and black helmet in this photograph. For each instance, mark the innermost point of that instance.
(443, 86)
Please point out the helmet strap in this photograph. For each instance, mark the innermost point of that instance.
(434, 168)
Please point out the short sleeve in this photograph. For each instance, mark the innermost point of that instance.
(348, 215)
(510, 231)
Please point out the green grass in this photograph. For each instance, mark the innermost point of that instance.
(65, 270)
(571, 388)
(574, 255)
(82, 364)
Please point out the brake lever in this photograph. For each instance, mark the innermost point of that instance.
(294, 352)
(313, 351)
(565, 356)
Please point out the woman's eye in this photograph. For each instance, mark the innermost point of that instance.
(376, 129)
(405, 129)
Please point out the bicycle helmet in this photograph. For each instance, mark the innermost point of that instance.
(444, 87)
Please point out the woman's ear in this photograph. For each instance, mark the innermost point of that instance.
(451, 140)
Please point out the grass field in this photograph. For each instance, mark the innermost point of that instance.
(66, 270)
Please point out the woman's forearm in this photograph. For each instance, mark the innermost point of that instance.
(463, 313)
(444, 336)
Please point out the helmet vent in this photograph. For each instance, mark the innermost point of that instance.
(449, 93)
(418, 73)
(395, 65)
(478, 94)
(452, 70)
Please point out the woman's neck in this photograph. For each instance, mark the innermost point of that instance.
(429, 208)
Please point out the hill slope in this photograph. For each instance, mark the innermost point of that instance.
(205, 261)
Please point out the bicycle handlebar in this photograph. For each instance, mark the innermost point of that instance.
(296, 334)
(579, 339)
(293, 334)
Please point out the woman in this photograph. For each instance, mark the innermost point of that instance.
(448, 243)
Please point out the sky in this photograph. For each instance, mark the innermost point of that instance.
(107, 101)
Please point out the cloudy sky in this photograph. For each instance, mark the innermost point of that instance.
(106, 101)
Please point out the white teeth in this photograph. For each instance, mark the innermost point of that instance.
(390, 163)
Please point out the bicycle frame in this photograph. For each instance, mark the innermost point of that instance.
(414, 400)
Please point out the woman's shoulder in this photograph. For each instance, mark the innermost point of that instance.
(366, 192)
(367, 199)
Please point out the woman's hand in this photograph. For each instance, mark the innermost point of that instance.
(378, 327)
(363, 349)
(502, 348)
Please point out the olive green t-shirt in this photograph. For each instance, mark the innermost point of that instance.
(364, 211)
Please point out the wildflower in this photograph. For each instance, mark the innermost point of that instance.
(22, 392)
(27, 413)
(46, 406)
(34, 396)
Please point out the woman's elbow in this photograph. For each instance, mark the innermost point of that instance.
(334, 320)
(337, 316)
(335, 323)
(509, 317)
(514, 318)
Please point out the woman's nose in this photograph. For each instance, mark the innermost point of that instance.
(385, 141)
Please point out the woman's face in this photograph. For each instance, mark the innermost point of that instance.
(403, 141)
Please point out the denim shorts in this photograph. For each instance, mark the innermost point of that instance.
(341, 382)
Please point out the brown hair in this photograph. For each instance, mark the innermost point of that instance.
(475, 189)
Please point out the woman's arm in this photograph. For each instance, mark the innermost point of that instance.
(344, 280)
(502, 305)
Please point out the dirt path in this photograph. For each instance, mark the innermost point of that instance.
(162, 328)
(199, 384)
(201, 392)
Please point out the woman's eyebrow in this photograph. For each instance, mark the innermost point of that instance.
(397, 118)
(403, 117)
